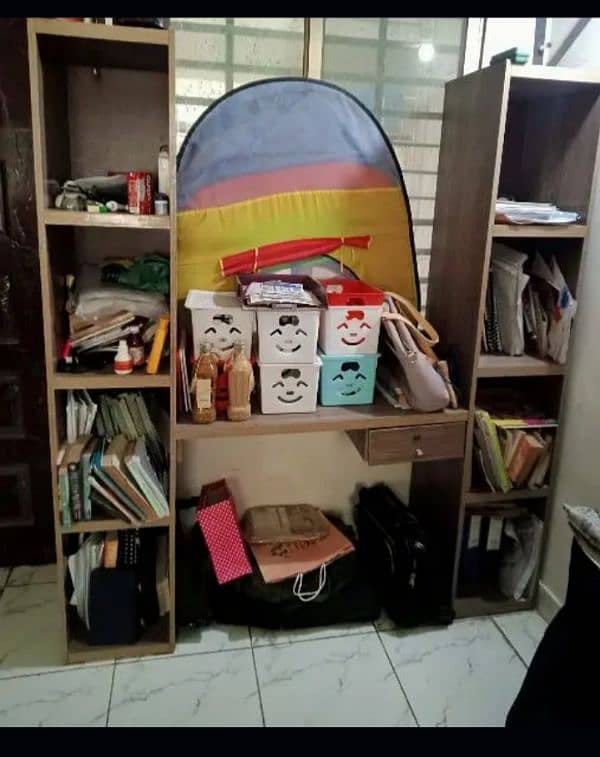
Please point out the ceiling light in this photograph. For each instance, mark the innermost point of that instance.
(426, 52)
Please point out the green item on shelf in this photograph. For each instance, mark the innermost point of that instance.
(149, 273)
(516, 55)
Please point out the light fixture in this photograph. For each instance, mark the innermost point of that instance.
(426, 52)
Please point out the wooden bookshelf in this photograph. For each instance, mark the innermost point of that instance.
(537, 231)
(490, 366)
(323, 419)
(112, 524)
(107, 379)
(103, 98)
(104, 220)
(474, 497)
(536, 130)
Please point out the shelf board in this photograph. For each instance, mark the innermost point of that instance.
(54, 217)
(467, 607)
(572, 231)
(154, 640)
(323, 419)
(488, 497)
(107, 379)
(81, 44)
(490, 366)
(112, 524)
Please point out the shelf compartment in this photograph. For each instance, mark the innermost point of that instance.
(508, 231)
(324, 419)
(498, 366)
(105, 220)
(482, 498)
(112, 524)
(82, 44)
(154, 640)
(107, 379)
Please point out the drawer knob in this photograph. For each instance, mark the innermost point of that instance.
(419, 452)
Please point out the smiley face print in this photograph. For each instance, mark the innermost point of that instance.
(354, 328)
(350, 381)
(222, 332)
(288, 336)
(290, 388)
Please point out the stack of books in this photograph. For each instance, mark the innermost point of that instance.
(513, 452)
(121, 472)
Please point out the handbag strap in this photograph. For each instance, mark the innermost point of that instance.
(411, 316)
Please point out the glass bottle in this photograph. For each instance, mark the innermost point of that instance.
(136, 347)
(240, 383)
(204, 386)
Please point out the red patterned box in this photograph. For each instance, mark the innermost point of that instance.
(217, 518)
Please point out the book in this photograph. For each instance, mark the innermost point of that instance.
(100, 476)
(162, 574)
(63, 486)
(85, 464)
(114, 465)
(526, 455)
(490, 445)
(141, 471)
(75, 494)
(112, 500)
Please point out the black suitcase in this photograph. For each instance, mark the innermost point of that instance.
(401, 560)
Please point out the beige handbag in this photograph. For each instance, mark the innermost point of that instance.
(410, 373)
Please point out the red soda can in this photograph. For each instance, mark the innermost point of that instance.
(139, 192)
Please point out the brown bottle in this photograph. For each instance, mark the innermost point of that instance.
(240, 383)
(204, 386)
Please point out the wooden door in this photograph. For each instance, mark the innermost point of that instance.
(26, 523)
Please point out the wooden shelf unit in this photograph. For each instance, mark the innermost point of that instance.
(323, 419)
(496, 366)
(506, 231)
(536, 131)
(103, 99)
(104, 220)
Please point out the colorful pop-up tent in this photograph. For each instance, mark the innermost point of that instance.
(283, 174)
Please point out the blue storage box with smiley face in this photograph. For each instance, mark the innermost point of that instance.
(289, 387)
(218, 319)
(347, 379)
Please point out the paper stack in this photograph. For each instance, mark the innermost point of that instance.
(510, 211)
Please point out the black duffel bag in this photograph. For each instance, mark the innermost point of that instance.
(401, 559)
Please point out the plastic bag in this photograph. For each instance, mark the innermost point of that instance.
(520, 555)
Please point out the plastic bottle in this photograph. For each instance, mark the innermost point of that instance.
(204, 386)
(123, 362)
(240, 383)
(136, 347)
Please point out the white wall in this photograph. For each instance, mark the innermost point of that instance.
(578, 471)
(319, 469)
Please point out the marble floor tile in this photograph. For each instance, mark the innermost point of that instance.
(31, 636)
(68, 698)
(463, 675)
(344, 681)
(32, 574)
(524, 630)
(199, 690)
(265, 636)
(215, 638)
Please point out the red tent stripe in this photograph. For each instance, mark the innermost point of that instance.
(285, 252)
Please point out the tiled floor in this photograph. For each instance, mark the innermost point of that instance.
(360, 674)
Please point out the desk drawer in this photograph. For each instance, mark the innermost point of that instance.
(411, 444)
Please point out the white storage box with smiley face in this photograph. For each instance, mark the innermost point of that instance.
(218, 318)
(289, 387)
(350, 325)
(287, 336)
